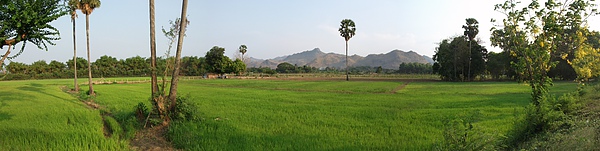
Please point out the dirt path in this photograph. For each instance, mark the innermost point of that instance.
(151, 139)
(399, 87)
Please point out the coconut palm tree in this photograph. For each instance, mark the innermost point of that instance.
(347, 30)
(243, 49)
(87, 7)
(74, 6)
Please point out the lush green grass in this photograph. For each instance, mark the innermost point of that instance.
(37, 115)
(263, 114)
(330, 115)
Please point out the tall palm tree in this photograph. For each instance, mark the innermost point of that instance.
(87, 7)
(471, 30)
(347, 30)
(243, 49)
(154, 84)
(74, 6)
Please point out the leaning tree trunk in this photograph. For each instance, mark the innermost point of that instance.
(87, 33)
(75, 57)
(347, 76)
(175, 76)
(5, 55)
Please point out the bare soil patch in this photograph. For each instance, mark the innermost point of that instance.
(151, 139)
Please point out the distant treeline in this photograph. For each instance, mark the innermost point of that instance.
(107, 66)
(405, 68)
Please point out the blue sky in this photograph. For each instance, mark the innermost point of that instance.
(272, 28)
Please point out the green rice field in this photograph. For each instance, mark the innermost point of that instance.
(267, 114)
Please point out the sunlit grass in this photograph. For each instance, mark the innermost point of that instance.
(37, 115)
(265, 114)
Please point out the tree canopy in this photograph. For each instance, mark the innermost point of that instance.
(29, 21)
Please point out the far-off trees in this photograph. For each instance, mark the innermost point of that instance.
(28, 21)
(217, 62)
(461, 58)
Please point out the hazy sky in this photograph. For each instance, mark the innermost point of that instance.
(272, 28)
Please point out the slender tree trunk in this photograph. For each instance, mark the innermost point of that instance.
(153, 50)
(175, 76)
(75, 57)
(87, 33)
(470, 52)
(347, 76)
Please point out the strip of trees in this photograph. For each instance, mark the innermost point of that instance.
(108, 66)
(462, 58)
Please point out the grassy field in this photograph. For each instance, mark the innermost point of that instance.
(266, 114)
(331, 115)
(38, 115)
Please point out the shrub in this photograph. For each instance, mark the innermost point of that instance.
(141, 112)
(185, 110)
(460, 134)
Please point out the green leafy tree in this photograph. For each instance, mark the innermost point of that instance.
(39, 67)
(533, 34)
(56, 67)
(107, 66)
(17, 68)
(216, 60)
(347, 30)
(586, 62)
(28, 21)
(285, 68)
(238, 66)
(457, 60)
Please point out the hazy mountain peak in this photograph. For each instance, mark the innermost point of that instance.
(316, 58)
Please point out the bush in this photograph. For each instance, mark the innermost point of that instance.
(141, 112)
(460, 134)
(550, 115)
(185, 110)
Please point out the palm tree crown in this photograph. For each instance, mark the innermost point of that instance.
(471, 29)
(88, 6)
(347, 29)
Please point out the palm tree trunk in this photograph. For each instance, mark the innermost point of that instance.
(470, 52)
(153, 50)
(347, 76)
(75, 57)
(87, 33)
(175, 76)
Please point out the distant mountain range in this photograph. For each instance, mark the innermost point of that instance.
(319, 59)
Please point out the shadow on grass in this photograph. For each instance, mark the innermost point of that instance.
(6, 97)
(39, 88)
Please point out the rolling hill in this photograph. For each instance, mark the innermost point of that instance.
(319, 59)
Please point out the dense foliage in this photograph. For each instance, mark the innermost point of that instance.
(456, 61)
(28, 21)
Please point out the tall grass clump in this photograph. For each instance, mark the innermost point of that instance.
(460, 134)
(551, 115)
